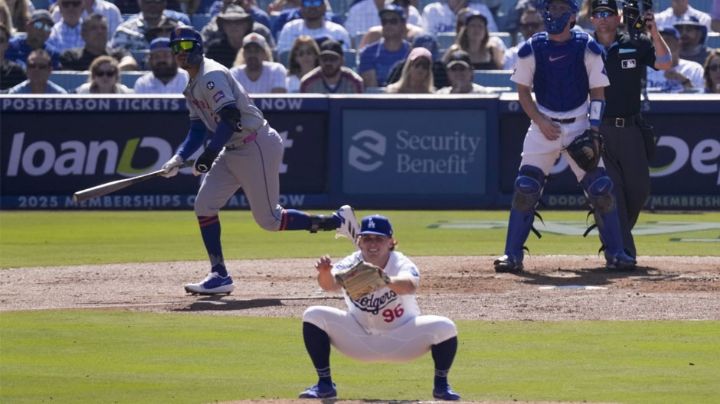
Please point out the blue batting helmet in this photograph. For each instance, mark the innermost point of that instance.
(182, 35)
(556, 25)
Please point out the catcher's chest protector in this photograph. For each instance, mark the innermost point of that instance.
(561, 80)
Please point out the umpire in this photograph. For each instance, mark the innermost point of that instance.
(626, 151)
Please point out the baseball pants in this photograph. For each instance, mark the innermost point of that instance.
(254, 167)
(408, 341)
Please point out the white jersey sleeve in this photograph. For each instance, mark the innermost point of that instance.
(524, 70)
(597, 75)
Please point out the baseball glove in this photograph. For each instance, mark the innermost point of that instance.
(361, 279)
(586, 149)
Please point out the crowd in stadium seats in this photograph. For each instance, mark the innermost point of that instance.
(313, 46)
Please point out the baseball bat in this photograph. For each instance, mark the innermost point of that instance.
(112, 186)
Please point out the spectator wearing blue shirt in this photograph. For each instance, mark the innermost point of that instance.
(38, 74)
(37, 33)
(378, 58)
(66, 34)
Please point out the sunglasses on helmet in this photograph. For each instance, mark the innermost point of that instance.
(182, 46)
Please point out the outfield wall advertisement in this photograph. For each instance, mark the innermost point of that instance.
(52, 148)
(372, 151)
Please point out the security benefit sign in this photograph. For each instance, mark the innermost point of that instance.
(420, 151)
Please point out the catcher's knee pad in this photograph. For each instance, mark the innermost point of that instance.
(528, 188)
(598, 187)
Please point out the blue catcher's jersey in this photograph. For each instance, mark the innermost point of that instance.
(561, 78)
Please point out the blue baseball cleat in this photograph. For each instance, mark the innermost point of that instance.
(320, 390)
(445, 393)
(619, 262)
(213, 284)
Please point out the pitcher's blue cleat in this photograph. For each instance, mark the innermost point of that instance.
(320, 390)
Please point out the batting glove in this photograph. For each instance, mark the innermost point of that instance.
(172, 166)
(205, 161)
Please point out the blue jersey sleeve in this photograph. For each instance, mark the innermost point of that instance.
(193, 140)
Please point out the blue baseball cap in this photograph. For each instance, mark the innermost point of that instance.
(394, 9)
(376, 224)
(160, 44)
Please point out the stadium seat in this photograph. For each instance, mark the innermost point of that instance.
(493, 78)
(129, 78)
(351, 58)
(713, 40)
(69, 80)
(445, 40)
(284, 58)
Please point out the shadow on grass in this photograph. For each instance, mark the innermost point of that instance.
(220, 303)
(224, 303)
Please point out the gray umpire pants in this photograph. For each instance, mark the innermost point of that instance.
(627, 165)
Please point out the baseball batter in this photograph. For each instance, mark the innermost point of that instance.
(562, 67)
(243, 152)
(384, 325)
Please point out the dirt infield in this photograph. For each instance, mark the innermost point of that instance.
(467, 288)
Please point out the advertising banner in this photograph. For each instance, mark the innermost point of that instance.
(79, 143)
(415, 151)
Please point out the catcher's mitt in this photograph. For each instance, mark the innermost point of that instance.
(361, 279)
(586, 149)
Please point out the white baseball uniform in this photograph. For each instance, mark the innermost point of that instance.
(382, 325)
(539, 151)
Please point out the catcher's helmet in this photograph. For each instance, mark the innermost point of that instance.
(185, 39)
(633, 11)
(556, 25)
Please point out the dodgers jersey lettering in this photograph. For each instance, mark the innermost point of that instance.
(214, 88)
(383, 309)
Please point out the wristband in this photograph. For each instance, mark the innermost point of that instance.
(663, 58)
(597, 108)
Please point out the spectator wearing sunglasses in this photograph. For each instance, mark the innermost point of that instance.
(11, 73)
(313, 24)
(460, 74)
(712, 72)
(377, 59)
(37, 32)
(94, 32)
(105, 8)
(290, 10)
(531, 22)
(375, 33)
(441, 16)
(66, 33)
(39, 67)
(104, 78)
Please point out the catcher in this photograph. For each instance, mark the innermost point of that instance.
(383, 321)
(565, 70)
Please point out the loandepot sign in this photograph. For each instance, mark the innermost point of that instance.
(578, 228)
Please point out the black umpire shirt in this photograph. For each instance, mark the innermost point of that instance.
(625, 62)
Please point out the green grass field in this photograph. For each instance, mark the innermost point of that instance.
(67, 238)
(94, 356)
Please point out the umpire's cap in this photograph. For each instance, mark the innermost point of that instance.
(377, 225)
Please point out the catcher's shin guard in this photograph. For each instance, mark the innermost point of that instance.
(528, 189)
(599, 190)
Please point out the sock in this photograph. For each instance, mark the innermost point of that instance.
(317, 343)
(443, 355)
(294, 220)
(210, 231)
